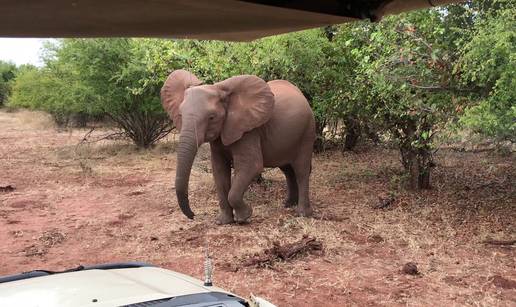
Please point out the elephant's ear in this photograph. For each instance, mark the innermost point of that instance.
(249, 105)
(173, 92)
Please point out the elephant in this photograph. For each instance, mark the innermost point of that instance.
(250, 124)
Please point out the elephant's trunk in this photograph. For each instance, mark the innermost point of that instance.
(186, 151)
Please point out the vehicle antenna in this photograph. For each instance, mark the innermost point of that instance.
(208, 269)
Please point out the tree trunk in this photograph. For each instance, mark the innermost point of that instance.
(417, 164)
(80, 119)
(319, 143)
(371, 133)
(144, 129)
(424, 180)
(417, 161)
(353, 132)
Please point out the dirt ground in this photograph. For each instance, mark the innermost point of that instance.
(107, 202)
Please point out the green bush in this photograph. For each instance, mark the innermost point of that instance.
(7, 74)
(42, 89)
(93, 77)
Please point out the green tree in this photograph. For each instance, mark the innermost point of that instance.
(488, 69)
(407, 73)
(7, 74)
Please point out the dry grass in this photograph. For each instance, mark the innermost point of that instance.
(34, 119)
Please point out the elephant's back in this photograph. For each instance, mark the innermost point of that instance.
(288, 98)
(291, 124)
(283, 86)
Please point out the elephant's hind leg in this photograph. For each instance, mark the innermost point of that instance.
(293, 193)
(302, 168)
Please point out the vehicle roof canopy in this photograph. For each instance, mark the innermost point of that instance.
(202, 19)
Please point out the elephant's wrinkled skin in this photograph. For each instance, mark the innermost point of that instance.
(249, 124)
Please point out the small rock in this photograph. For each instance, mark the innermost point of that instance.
(384, 201)
(502, 282)
(375, 239)
(410, 268)
(135, 193)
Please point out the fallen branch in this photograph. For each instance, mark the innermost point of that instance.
(473, 150)
(108, 136)
(499, 242)
(7, 188)
(285, 252)
(86, 136)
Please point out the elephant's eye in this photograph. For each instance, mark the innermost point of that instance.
(211, 117)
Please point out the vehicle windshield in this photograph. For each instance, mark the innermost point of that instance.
(197, 300)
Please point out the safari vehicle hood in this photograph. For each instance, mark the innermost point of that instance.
(100, 287)
(201, 19)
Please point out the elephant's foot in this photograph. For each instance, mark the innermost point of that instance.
(225, 217)
(242, 214)
(289, 203)
(305, 211)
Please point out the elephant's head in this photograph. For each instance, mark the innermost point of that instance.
(205, 113)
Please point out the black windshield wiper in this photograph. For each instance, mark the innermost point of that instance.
(107, 266)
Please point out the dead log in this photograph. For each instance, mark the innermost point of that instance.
(284, 252)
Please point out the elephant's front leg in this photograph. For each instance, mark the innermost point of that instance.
(248, 163)
(221, 167)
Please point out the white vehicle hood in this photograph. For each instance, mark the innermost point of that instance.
(100, 288)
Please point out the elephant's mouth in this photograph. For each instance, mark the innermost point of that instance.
(211, 136)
